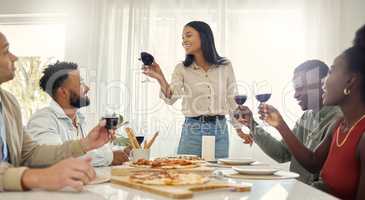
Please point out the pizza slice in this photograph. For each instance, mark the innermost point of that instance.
(164, 177)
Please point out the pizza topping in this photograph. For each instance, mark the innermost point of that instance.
(165, 163)
(164, 177)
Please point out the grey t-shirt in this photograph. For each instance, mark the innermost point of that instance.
(310, 129)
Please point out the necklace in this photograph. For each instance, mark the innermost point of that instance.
(348, 133)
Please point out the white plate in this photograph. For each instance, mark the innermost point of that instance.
(100, 179)
(239, 161)
(255, 170)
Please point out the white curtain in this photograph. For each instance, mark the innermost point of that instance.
(265, 40)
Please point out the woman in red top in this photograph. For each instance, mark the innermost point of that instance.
(341, 155)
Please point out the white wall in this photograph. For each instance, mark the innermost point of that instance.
(353, 17)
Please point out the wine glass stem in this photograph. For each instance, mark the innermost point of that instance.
(264, 123)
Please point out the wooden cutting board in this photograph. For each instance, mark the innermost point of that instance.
(180, 192)
(126, 170)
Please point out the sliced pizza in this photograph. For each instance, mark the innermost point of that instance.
(164, 177)
(165, 164)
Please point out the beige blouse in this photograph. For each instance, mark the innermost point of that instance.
(204, 92)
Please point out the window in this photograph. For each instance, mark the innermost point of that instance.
(36, 45)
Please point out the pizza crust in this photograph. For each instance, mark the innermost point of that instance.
(164, 164)
(167, 178)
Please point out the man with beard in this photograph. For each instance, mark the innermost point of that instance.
(62, 121)
(310, 128)
(19, 155)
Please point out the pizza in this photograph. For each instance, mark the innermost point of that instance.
(163, 177)
(192, 158)
(165, 164)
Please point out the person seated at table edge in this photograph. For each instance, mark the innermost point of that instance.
(18, 151)
(62, 120)
(316, 121)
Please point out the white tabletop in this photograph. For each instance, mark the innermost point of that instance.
(276, 189)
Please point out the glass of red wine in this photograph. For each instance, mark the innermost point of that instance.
(263, 93)
(240, 100)
(140, 139)
(147, 60)
(263, 98)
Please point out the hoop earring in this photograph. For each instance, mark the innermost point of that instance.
(346, 91)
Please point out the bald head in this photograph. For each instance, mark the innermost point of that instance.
(7, 59)
(3, 40)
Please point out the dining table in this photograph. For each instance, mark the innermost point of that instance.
(261, 189)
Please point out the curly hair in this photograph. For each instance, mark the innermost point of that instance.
(55, 75)
(355, 56)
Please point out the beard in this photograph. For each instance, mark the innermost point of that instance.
(79, 102)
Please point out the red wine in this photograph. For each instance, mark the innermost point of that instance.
(140, 139)
(240, 99)
(111, 122)
(263, 97)
(147, 58)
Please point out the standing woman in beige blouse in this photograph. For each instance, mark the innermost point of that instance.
(206, 83)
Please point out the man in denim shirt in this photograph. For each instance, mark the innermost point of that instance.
(62, 121)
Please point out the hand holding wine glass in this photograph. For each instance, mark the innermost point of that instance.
(240, 116)
(270, 115)
(244, 116)
(240, 100)
(150, 67)
(241, 111)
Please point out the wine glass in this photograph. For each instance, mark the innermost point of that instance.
(263, 93)
(240, 100)
(263, 98)
(140, 139)
(147, 60)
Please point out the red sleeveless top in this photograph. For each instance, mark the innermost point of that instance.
(341, 170)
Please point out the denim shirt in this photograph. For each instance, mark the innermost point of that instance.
(50, 125)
